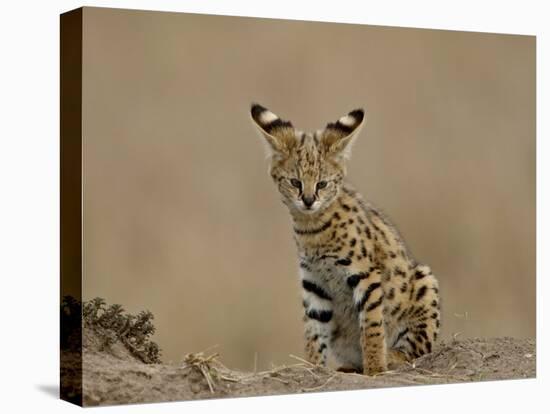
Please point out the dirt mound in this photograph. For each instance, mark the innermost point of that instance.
(121, 364)
(118, 377)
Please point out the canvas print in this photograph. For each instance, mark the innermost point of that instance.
(259, 206)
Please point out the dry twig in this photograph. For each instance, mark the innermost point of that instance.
(203, 364)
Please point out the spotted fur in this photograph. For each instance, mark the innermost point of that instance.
(367, 302)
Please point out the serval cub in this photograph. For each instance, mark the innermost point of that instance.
(367, 302)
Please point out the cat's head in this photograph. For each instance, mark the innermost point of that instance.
(308, 168)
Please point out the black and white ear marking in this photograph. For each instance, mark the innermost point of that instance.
(348, 123)
(279, 134)
(267, 120)
(338, 136)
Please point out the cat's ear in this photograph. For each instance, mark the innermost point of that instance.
(278, 135)
(337, 138)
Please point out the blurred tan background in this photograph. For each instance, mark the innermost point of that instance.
(181, 218)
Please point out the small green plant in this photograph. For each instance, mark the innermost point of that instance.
(112, 324)
(134, 331)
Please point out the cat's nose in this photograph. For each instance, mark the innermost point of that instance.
(308, 200)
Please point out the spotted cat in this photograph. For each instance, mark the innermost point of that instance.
(367, 302)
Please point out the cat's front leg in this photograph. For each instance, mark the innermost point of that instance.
(368, 297)
(318, 315)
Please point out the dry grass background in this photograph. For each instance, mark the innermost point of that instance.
(181, 218)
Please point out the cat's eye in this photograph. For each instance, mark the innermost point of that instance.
(296, 183)
(321, 185)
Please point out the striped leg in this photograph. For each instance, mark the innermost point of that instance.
(316, 342)
(318, 315)
(369, 297)
(422, 318)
